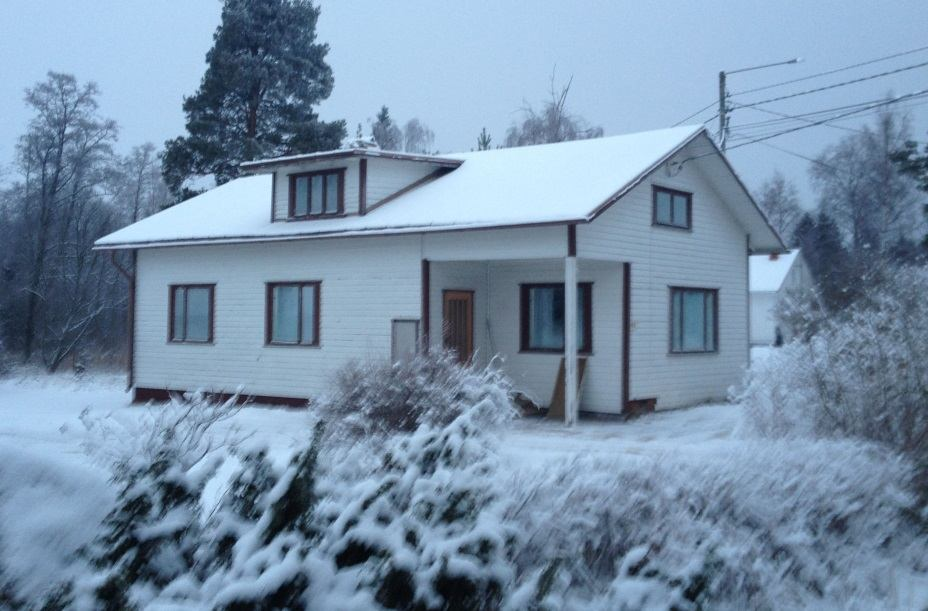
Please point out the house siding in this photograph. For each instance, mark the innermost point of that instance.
(712, 255)
(362, 291)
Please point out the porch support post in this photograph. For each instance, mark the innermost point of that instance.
(570, 341)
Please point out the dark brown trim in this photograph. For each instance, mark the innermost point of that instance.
(587, 339)
(260, 164)
(340, 207)
(626, 333)
(212, 312)
(657, 189)
(715, 320)
(317, 314)
(273, 196)
(328, 235)
(413, 185)
(426, 302)
(362, 187)
(572, 240)
(144, 395)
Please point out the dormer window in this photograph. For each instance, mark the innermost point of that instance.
(317, 194)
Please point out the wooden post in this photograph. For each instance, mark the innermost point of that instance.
(570, 341)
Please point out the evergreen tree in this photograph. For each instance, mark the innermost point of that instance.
(483, 140)
(265, 72)
(819, 239)
(911, 163)
(386, 134)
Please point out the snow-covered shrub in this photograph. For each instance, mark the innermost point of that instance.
(425, 530)
(186, 428)
(862, 374)
(375, 398)
(807, 524)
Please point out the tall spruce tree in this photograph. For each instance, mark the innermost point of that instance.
(264, 74)
(819, 239)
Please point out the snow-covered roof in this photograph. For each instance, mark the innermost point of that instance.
(534, 185)
(769, 272)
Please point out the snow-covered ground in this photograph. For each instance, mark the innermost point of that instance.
(53, 495)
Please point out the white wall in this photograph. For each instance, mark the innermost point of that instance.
(366, 282)
(762, 323)
(496, 286)
(711, 255)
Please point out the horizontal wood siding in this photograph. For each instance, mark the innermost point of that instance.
(496, 244)
(710, 255)
(365, 283)
(387, 176)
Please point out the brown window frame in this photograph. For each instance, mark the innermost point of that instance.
(585, 343)
(340, 211)
(212, 312)
(715, 319)
(269, 313)
(655, 189)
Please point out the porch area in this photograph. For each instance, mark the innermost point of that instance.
(537, 317)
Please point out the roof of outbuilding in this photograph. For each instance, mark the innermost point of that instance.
(533, 185)
(769, 272)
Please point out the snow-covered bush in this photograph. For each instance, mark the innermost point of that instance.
(376, 398)
(425, 529)
(863, 374)
(185, 428)
(810, 524)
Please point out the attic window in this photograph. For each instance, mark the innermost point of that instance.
(672, 208)
(317, 194)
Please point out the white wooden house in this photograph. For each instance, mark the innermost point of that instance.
(774, 277)
(629, 251)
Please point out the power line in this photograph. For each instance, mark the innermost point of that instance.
(835, 85)
(835, 71)
(822, 121)
(703, 109)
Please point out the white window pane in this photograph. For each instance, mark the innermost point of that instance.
(285, 322)
(710, 321)
(315, 203)
(662, 213)
(546, 318)
(331, 195)
(301, 196)
(177, 326)
(694, 319)
(679, 211)
(197, 314)
(309, 315)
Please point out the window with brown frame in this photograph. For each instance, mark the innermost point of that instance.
(672, 208)
(694, 320)
(292, 313)
(542, 317)
(317, 194)
(190, 317)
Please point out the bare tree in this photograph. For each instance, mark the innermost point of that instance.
(553, 123)
(417, 137)
(779, 200)
(859, 185)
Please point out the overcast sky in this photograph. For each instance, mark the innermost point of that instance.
(460, 66)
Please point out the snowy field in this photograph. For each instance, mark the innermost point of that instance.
(53, 495)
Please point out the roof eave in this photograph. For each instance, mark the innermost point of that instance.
(264, 164)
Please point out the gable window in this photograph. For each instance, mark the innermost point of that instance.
(293, 313)
(542, 324)
(317, 194)
(693, 320)
(672, 208)
(191, 313)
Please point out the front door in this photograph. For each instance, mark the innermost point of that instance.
(458, 323)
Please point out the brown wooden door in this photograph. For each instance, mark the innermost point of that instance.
(458, 323)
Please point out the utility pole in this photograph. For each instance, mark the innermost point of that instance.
(723, 95)
(723, 112)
